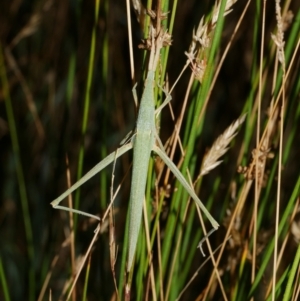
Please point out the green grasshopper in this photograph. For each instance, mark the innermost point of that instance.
(144, 140)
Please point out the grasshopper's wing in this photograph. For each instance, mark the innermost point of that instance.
(97, 168)
(184, 183)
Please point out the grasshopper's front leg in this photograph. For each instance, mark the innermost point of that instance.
(97, 168)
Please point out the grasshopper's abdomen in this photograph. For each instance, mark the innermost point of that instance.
(142, 146)
(141, 154)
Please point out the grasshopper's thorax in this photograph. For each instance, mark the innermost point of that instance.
(145, 121)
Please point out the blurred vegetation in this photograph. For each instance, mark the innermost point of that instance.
(49, 111)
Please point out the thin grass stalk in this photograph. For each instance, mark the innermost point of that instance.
(86, 279)
(103, 185)
(161, 71)
(292, 113)
(254, 76)
(269, 250)
(157, 216)
(279, 286)
(291, 138)
(156, 235)
(150, 277)
(280, 57)
(71, 233)
(20, 177)
(239, 204)
(293, 38)
(191, 239)
(3, 281)
(142, 266)
(239, 290)
(87, 99)
(142, 260)
(292, 277)
(271, 176)
(258, 130)
(169, 23)
(262, 211)
(149, 192)
(283, 248)
(265, 197)
(122, 278)
(174, 268)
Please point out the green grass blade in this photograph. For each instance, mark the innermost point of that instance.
(87, 99)
(20, 176)
(269, 251)
(291, 277)
(4, 286)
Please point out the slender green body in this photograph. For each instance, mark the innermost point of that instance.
(143, 142)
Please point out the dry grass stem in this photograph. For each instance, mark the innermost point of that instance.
(201, 40)
(219, 148)
(279, 37)
(202, 34)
